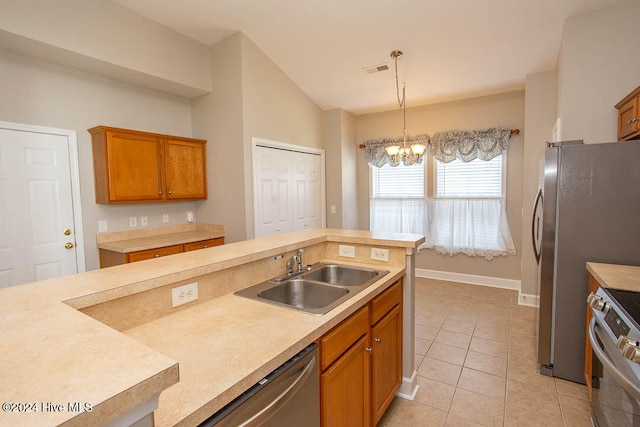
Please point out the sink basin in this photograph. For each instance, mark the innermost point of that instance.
(341, 275)
(303, 294)
(316, 291)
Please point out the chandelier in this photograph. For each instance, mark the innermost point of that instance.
(415, 151)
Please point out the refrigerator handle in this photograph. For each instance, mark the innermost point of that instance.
(536, 228)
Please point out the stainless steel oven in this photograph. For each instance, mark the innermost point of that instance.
(614, 335)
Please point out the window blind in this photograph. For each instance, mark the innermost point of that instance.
(398, 182)
(475, 179)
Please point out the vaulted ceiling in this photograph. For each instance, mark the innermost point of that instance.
(453, 49)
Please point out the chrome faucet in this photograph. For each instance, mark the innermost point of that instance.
(298, 259)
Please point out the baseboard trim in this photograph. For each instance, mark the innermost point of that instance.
(494, 282)
(528, 300)
(409, 387)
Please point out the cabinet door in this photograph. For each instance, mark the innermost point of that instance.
(186, 176)
(344, 394)
(386, 364)
(133, 163)
(626, 115)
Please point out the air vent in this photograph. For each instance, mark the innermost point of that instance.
(375, 68)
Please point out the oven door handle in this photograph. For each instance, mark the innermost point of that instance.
(597, 349)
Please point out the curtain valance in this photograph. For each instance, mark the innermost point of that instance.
(469, 145)
(377, 156)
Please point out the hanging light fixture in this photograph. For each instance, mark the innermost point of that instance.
(415, 151)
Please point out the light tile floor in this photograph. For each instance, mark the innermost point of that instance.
(477, 366)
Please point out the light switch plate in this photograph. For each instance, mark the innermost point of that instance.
(103, 226)
(143, 221)
(347, 251)
(184, 294)
(379, 254)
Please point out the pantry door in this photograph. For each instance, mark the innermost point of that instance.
(288, 190)
(40, 214)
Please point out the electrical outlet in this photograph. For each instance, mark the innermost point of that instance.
(189, 216)
(347, 251)
(103, 226)
(133, 222)
(165, 218)
(143, 221)
(184, 294)
(333, 208)
(379, 254)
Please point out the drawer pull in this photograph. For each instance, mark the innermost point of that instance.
(157, 255)
(378, 340)
(369, 349)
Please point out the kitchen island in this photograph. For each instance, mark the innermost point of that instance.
(108, 345)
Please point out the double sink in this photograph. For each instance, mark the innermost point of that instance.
(318, 290)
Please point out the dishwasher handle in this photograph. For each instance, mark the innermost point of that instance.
(279, 401)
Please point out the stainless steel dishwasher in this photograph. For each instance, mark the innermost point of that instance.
(288, 396)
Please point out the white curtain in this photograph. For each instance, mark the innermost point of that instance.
(398, 216)
(475, 227)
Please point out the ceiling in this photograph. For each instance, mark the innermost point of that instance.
(453, 49)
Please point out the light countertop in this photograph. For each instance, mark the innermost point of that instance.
(54, 353)
(158, 237)
(615, 276)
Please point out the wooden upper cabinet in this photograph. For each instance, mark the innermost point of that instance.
(185, 169)
(629, 116)
(131, 166)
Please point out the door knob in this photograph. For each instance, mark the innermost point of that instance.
(68, 245)
(67, 232)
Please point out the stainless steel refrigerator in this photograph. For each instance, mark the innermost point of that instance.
(591, 212)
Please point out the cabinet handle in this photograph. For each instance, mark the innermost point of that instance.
(160, 193)
(205, 246)
(170, 192)
(369, 349)
(157, 256)
(633, 120)
(378, 340)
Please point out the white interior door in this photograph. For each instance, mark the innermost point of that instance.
(288, 189)
(40, 227)
(306, 169)
(274, 213)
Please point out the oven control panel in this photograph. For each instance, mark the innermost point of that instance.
(615, 322)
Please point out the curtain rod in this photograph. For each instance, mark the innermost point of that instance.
(513, 132)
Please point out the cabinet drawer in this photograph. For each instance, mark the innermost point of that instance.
(340, 338)
(384, 302)
(153, 253)
(203, 244)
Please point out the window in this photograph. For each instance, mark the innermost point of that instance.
(397, 202)
(478, 178)
(469, 212)
(397, 182)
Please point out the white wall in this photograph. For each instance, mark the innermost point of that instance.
(597, 67)
(45, 94)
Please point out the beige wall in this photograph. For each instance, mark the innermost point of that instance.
(217, 117)
(273, 108)
(597, 67)
(44, 94)
(505, 110)
(540, 102)
(341, 175)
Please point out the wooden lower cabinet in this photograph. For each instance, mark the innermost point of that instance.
(361, 362)
(345, 388)
(386, 364)
(110, 258)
